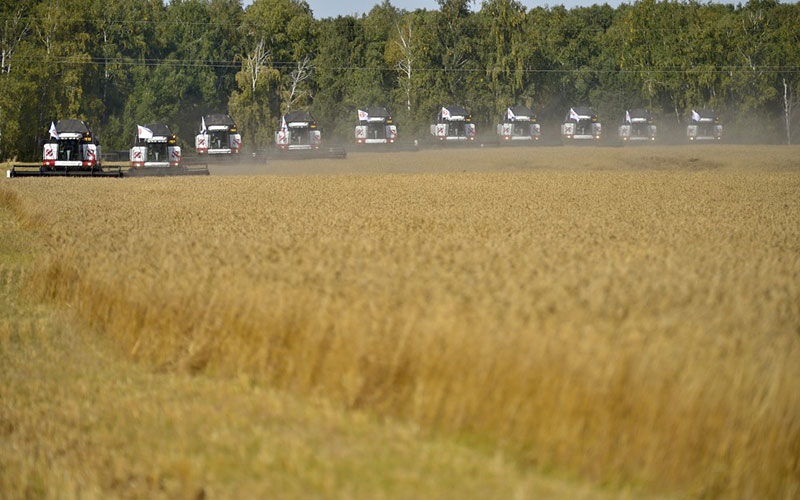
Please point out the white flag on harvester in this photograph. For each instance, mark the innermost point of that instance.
(695, 116)
(627, 116)
(145, 133)
(203, 128)
(283, 130)
(445, 113)
(363, 115)
(511, 115)
(573, 115)
(53, 131)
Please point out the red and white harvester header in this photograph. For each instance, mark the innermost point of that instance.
(71, 149)
(453, 123)
(519, 124)
(298, 132)
(218, 136)
(581, 123)
(375, 126)
(637, 126)
(156, 151)
(704, 126)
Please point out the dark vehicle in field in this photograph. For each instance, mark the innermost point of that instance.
(218, 136)
(581, 124)
(71, 149)
(375, 126)
(637, 125)
(519, 124)
(299, 131)
(156, 151)
(704, 125)
(453, 124)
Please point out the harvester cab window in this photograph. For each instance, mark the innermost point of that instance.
(705, 129)
(299, 136)
(639, 129)
(218, 139)
(157, 151)
(69, 149)
(522, 128)
(376, 131)
(583, 127)
(457, 129)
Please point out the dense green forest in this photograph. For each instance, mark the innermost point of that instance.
(118, 63)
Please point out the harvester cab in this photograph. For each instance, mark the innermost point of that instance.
(71, 145)
(637, 125)
(155, 146)
(453, 123)
(218, 136)
(519, 124)
(71, 149)
(581, 123)
(375, 126)
(156, 151)
(704, 126)
(299, 132)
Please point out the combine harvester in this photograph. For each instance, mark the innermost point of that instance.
(301, 138)
(581, 124)
(155, 152)
(637, 126)
(704, 126)
(519, 126)
(71, 150)
(453, 125)
(375, 127)
(218, 137)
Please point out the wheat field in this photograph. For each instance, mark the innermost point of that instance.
(624, 316)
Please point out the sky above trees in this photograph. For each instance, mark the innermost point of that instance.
(326, 8)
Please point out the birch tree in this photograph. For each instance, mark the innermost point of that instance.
(250, 103)
(404, 58)
(788, 81)
(297, 91)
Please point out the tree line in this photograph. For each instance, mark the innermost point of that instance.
(119, 63)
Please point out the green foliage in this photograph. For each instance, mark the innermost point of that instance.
(253, 101)
(118, 63)
(504, 50)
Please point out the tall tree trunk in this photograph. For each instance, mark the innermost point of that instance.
(105, 63)
(406, 62)
(787, 110)
(299, 75)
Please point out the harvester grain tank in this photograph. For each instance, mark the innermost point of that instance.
(375, 126)
(637, 126)
(581, 123)
(519, 124)
(298, 132)
(453, 123)
(218, 136)
(704, 126)
(156, 151)
(71, 149)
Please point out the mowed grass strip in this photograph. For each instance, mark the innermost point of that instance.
(625, 324)
(78, 421)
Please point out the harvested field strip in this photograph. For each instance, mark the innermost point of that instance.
(629, 326)
(532, 159)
